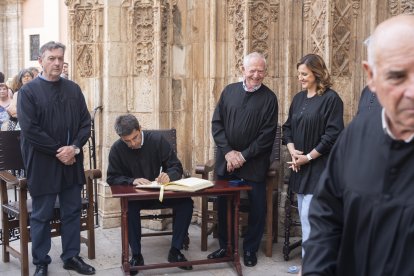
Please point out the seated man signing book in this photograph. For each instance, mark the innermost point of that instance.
(136, 159)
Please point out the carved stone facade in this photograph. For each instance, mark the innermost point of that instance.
(167, 61)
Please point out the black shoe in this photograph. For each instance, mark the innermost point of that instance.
(76, 263)
(250, 258)
(175, 256)
(41, 270)
(220, 253)
(135, 261)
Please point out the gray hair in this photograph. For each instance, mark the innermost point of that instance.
(33, 69)
(369, 43)
(247, 58)
(51, 45)
(22, 73)
(126, 124)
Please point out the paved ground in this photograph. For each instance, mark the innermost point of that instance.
(155, 249)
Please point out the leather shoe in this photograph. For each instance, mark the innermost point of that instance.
(250, 258)
(175, 256)
(76, 263)
(41, 270)
(220, 253)
(135, 261)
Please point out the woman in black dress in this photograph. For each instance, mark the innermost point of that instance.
(315, 120)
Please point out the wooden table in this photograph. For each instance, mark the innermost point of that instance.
(220, 188)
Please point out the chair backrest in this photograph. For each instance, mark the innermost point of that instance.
(10, 153)
(169, 134)
(275, 155)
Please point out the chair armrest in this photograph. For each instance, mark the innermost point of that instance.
(204, 169)
(93, 173)
(9, 178)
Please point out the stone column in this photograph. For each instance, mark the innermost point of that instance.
(11, 39)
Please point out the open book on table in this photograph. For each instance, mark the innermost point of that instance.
(191, 184)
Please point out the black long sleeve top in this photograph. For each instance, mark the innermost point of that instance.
(245, 122)
(313, 123)
(52, 115)
(362, 212)
(368, 101)
(126, 164)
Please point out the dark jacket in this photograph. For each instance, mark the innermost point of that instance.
(52, 115)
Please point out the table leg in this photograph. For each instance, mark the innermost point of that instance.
(124, 235)
(229, 223)
(236, 256)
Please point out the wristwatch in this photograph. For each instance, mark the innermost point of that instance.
(309, 157)
(77, 150)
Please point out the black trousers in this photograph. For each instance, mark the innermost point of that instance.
(256, 220)
(182, 208)
(42, 213)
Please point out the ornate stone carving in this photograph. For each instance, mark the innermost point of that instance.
(260, 16)
(341, 36)
(143, 37)
(165, 23)
(274, 11)
(73, 3)
(306, 8)
(84, 57)
(315, 13)
(393, 5)
(85, 21)
(401, 6)
(355, 7)
(236, 10)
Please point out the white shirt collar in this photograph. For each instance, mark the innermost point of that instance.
(251, 90)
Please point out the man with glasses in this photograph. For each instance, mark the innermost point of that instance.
(244, 128)
(137, 158)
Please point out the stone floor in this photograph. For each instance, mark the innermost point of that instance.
(155, 249)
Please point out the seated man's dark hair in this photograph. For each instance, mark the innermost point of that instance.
(126, 124)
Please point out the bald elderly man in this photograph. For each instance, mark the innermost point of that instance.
(362, 214)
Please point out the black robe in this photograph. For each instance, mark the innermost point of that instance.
(313, 123)
(362, 213)
(245, 122)
(126, 164)
(52, 115)
(368, 101)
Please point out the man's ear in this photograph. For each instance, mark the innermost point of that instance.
(370, 75)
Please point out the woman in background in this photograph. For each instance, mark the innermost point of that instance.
(4, 103)
(314, 122)
(24, 76)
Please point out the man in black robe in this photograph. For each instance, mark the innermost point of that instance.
(137, 158)
(368, 101)
(362, 215)
(55, 124)
(244, 128)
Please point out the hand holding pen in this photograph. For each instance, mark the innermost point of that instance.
(162, 177)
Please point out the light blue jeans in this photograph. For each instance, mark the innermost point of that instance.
(303, 208)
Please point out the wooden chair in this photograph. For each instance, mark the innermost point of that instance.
(171, 136)
(15, 214)
(209, 217)
(290, 205)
